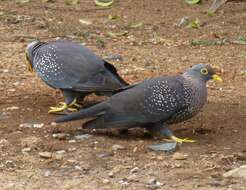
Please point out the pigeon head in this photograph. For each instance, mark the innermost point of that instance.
(30, 52)
(203, 71)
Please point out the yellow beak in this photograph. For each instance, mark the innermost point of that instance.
(29, 67)
(217, 78)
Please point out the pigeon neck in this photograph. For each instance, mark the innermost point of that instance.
(193, 76)
(36, 47)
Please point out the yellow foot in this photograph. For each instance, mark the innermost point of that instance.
(75, 104)
(179, 140)
(73, 107)
(63, 106)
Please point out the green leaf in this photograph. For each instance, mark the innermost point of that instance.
(192, 2)
(117, 34)
(194, 24)
(210, 13)
(136, 25)
(113, 17)
(85, 22)
(103, 3)
(71, 2)
(22, 1)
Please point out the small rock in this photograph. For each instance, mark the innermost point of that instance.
(72, 149)
(153, 184)
(11, 90)
(105, 154)
(82, 137)
(10, 164)
(133, 178)
(60, 152)
(46, 155)
(78, 168)
(60, 136)
(183, 21)
(31, 125)
(38, 125)
(57, 156)
(116, 147)
(105, 181)
(28, 149)
(134, 170)
(237, 172)
(85, 22)
(47, 173)
(166, 147)
(53, 124)
(124, 182)
(12, 108)
(113, 58)
(72, 141)
(111, 174)
(179, 156)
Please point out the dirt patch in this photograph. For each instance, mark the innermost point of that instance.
(157, 47)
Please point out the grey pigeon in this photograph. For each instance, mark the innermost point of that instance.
(153, 104)
(73, 69)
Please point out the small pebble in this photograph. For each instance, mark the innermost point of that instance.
(28, 149)
(153, 184)
(105, 154)
(30, 125)
(166, 147)
(72, 149)
(82, 137)
(60, 152)
(45, 154)
(78, 168)
(53, 124)
(60, 136)
(38, 125)
(111, 174)
(133, 178)
(57, 156)
(12, 108)
(124, 182)
(47, 173)
(179, 156)
(134, 170)
(116, 147)
(72, 141)
(105, 181)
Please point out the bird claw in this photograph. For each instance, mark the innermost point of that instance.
(62, 106)
(72, 109)
(57, 109)
(179, 140)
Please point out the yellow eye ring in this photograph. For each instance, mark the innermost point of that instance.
(204, 71)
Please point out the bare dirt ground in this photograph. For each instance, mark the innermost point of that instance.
(158, 47)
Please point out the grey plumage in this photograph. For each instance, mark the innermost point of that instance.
(73, 68)
(153, 104)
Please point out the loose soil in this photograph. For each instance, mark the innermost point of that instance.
(158, 47)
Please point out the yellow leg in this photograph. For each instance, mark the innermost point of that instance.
(179, 140)
(75, 104)
(63, 106)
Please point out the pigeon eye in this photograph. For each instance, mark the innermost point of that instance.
(204, 71)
